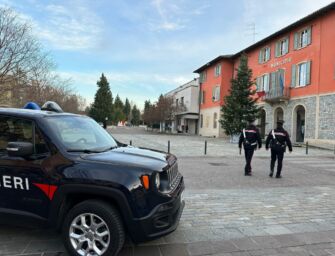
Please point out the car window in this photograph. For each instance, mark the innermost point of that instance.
(80, 133)
(15, 129)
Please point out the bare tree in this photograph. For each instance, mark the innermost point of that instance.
(19, 50)
(26, 71)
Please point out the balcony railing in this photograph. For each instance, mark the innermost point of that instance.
(277, 94)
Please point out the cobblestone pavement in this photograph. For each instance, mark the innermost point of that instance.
(229, 214)
(183, 145)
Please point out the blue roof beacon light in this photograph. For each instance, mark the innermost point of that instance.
(52, 106)
(32, 105)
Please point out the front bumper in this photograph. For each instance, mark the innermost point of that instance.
(163, 220)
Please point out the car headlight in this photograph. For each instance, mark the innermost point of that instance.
(157, 180)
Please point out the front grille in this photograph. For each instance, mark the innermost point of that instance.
(173, 176)
(172, 173)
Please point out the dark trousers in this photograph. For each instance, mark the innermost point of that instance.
(275, 154)
(248, 153)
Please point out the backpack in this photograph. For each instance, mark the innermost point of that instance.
(277, 145)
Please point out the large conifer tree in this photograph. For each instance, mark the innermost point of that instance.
(240, 105)
(127, 109)
(103, 101)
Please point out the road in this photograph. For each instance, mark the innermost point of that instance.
(227, 213)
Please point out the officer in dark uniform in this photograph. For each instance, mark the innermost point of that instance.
(278, 139)
(249, 137)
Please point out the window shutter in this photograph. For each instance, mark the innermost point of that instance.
(308, 72)
(273, 77)
(309, 35)
(296, 39)
(277, 49)
(258, 84)
(260, 55)
(293, 76)
(287, 45)
(266, 83)
(269, 56)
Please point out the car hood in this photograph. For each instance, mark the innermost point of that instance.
(132, 156)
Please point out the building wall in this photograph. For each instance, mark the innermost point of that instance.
(317, 98)
(289, 110)
(208, 117)
(326, 129)
(327, 55)
(194, 100)
(308, 53)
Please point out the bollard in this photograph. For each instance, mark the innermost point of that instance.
(168, 146)
(130, 143)
(205, 147)
(306, 147)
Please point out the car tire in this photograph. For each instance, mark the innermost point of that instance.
(93, 226)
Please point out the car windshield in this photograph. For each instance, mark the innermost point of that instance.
(81, 134)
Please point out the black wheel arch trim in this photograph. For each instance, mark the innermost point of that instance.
(60, 202)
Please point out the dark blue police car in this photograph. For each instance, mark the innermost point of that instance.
(66, 171)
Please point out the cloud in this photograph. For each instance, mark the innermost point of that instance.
(135, 86)
(69, 27)
(170, 16)
(269, 16)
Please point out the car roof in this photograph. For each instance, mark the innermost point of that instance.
(30, 113)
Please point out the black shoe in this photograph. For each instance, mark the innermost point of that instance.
(271, 174)
(278, 177)
(247, 174)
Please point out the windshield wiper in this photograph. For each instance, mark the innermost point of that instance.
(86, 151)
(110, 148)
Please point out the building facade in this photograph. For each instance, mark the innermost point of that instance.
(186, 98)
(294, 73)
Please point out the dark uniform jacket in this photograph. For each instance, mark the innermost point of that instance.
(252, 138)
(280, 141)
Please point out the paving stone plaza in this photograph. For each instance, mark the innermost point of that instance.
(227, 213)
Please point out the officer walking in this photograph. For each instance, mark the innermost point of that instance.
(249, 137)
(278, 139)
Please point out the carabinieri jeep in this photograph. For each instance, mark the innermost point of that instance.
(65, 171)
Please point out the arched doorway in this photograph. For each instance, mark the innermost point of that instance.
(262, 122)
(299, 123)
(278, 115)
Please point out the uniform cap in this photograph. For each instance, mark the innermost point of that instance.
(280, 121)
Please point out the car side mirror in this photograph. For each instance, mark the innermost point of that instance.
(20, 149)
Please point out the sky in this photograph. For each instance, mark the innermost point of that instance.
(149, 47)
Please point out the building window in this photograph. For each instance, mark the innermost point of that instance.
(216, 93)
(276, 84)
(282, 47)
(301, 74)
(202, 97)
(177, 102)
(207, 121)
(182, 101)
(201, 120)
(264, 55)
(302, 38)
(215, 120)
(262, 83)
(302, 68)
(218, 70)
(203, 76)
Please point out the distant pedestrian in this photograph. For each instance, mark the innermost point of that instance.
(278, 139)
(249, 137)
